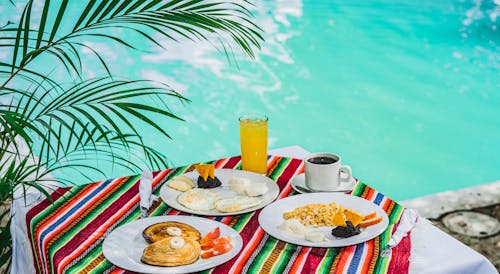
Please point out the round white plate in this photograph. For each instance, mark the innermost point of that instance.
(124, 246)
(272, 216)
(299, 185)
(169, 195)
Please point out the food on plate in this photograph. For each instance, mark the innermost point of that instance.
(331, 214)
(162, 253)
(237, 203)
(294, 227)
(239, 185)
(198, 199)
(346, 231)
(172, 249)
(353, 216)
(370, 216)
(217, 250)
(214, 245)
(181, 183)
(177, 242)
(315, 236)
(256, 189)
(207, 178)
(212, 235)
(160, 231)
(246, 187)
(371, 221)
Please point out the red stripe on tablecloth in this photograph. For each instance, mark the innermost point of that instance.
(57, 194)
(313, 259)
(300, 260)
(90, 229)
(400, 260)
(232, 162)
(345, 254)
(221, 162)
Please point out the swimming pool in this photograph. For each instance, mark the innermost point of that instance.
(407, 93)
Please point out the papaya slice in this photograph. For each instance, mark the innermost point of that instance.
(205, 170)
(370, 216)
(370, 222)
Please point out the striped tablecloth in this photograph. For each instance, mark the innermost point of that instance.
(66, 235)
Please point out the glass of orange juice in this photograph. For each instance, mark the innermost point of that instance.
(253, 140)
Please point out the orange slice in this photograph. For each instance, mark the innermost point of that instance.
(353, 216)
(370, 222)
(370, 216)
(205, 170)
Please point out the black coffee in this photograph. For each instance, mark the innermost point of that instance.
(322, 160)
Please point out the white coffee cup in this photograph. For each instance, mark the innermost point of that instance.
(323, 171)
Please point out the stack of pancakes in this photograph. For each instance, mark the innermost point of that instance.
(160, 252)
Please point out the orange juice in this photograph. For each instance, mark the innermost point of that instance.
(253, 140)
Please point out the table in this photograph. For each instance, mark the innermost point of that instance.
(450, 257)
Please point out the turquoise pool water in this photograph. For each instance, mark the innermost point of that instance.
(407, 92)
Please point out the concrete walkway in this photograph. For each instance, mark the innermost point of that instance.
(482, 199)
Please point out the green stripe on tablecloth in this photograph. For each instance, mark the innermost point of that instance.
(76, 227)
(284, 258)
(262, 255)
(328, 259)
(279, 168)
(382, 262)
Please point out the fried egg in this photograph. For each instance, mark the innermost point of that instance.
(198, 199)
(237, 203)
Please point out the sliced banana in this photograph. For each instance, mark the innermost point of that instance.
(174, 231)
(176, 242)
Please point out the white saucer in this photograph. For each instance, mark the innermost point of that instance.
(299, 185)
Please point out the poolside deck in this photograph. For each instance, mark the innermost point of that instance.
(483, 199)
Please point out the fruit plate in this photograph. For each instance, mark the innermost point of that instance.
(169, 195)
(124, 246)
(272, 216)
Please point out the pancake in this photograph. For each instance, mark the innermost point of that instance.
(158, 232)
(162, 254)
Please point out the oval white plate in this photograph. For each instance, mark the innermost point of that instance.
(169, 195)
(272, 216)
(124, 246)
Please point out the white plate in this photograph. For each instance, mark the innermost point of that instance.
(124, 246)
(169, 195)
(272, 216)
(299, 185)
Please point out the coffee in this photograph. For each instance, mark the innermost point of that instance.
(321, 160)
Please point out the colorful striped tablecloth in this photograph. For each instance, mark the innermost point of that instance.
(66, 235)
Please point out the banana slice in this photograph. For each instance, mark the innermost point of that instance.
(174, 231)
(176, 242)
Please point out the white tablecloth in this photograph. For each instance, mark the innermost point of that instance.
(433, 251)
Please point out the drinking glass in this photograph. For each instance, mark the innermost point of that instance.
(253, 140)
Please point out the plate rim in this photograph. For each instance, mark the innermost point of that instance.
(182, 208)
(175, 269)
(264, 212)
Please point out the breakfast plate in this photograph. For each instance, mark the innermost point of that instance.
(170, 196)
(271, 217)
(124, 246)
(299, 185)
